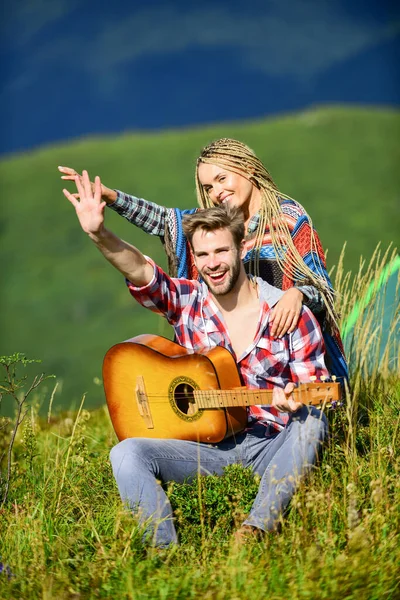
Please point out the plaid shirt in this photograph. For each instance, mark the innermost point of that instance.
(156, 219)
(268, 362)
(149, 216)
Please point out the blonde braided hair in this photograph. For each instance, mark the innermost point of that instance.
(239, 158)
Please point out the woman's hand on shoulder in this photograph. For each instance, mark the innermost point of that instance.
(285, 314)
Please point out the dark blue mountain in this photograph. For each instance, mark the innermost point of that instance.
(72, 69)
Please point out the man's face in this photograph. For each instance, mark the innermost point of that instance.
(217, 259)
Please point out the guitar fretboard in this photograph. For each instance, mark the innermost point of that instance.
(313, 394)
(231, 398)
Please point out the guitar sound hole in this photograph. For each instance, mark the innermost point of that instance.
(184, 399)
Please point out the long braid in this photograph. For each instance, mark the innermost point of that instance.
(239, 158)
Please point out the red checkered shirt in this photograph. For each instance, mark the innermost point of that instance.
(268, 362)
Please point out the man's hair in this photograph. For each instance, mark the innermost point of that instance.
(211, 219)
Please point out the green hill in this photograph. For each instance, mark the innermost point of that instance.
(61, 301)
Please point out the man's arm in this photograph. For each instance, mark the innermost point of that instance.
(127, 259)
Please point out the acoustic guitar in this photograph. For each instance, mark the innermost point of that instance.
(157, 389)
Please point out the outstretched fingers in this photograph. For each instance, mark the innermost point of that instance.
(86, 184)
(97, 189)
(71, 197)
(78, 182)
(69, 174)
(66, 170)
(282, 321)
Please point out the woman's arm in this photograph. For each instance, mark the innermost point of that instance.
(286, 313)
(307, 243)
(148, 216)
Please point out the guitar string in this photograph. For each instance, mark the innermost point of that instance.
(242, 392)
(229, 399)
(235, 397)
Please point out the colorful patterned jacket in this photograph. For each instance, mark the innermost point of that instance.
(166, 223)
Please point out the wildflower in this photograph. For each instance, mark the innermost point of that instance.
(5, 569)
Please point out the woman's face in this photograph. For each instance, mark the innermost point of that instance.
(223, 186)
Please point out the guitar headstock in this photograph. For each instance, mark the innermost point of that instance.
(319, 392)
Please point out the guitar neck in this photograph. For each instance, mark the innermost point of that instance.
(307, 393)
(231, 398)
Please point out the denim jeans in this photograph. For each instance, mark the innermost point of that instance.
(280, 459)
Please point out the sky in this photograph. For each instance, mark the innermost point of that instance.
(72, 68)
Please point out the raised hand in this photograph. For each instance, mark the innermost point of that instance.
(107, 194)
(89, 207)
(285, 314)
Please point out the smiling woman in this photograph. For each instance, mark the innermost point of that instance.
(229, 171)
(223, 186)
(281, 244)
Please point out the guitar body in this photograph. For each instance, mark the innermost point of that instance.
(148, 383)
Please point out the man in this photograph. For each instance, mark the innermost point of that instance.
(229, 309)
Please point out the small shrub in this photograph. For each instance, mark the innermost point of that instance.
(211, 506)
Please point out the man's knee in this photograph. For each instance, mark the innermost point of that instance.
(126, 453)
(313, 422)
(317, 425)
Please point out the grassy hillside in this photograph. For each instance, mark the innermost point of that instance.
(65, 535)
(61, 302)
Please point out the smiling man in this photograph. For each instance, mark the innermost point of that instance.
(282, 246)
(230, 309)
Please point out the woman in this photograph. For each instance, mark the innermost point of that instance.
(282, 246)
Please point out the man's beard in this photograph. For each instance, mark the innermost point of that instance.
(229, 284)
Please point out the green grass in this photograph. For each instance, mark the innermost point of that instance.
(64, 533)
(60, 300)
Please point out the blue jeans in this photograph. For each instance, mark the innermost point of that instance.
(280, 459)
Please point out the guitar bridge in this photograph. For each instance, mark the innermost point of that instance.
(143, 403)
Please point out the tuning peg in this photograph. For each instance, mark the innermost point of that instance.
(313, 378)
(323, 378)
(333, 377)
